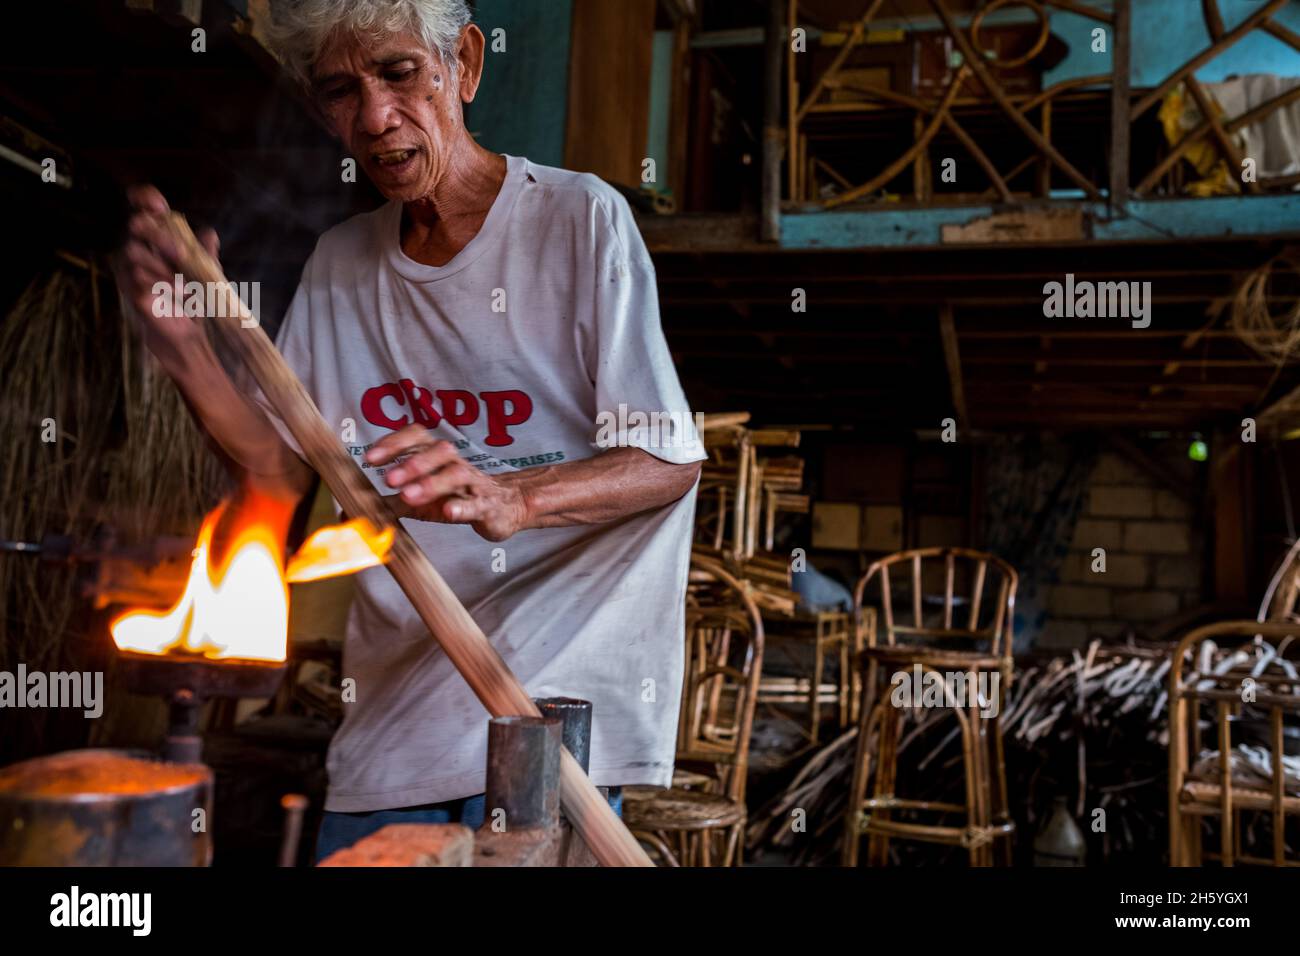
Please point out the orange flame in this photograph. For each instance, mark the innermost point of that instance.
(240, 611)
(340, 549)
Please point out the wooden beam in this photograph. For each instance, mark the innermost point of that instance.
(1020, 225)
(774, 53)
(679, 111)
(1120, 126)
(957, 269)
(791, 105)
(1082, 9)
(609, 96)
(1122, 361)
(1030, 415)
(1044, 186)
(1084, 334)
(1163, 221)
(701, 232)
(1213, 19)
(830, 171)
(682, 10)
(920, 175)
(446, 618)
(1289, 37)
(935, 294)
(849, 358)
(1232, 483)
(952, 359)
(1245, 392)
(678, 332)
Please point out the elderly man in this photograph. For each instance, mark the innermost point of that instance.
(473, 330)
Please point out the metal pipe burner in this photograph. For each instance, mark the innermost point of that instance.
(186, 682)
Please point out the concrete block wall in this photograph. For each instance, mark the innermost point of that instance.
(1155, 554)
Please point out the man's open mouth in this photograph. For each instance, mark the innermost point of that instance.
(393, 157)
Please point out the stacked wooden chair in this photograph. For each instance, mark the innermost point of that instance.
(700, 819)
(961, 605)
(1240, 680)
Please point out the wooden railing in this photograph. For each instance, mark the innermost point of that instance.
(804, 167)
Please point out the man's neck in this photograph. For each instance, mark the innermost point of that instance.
(438, 226)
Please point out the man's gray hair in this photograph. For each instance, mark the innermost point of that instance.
(300, 28)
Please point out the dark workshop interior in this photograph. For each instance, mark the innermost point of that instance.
(988, 313)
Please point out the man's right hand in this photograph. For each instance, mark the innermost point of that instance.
(181, 345)
(148, 258)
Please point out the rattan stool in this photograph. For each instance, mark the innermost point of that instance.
(983, 821)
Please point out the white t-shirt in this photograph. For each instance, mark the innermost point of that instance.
(546, 318)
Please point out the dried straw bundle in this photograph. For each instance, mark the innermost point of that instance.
(51, 380)
(1275, 337)
(124, 452)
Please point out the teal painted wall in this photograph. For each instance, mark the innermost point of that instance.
(661, 90)
(522, 102)
(1145, 221)
(1167, 33)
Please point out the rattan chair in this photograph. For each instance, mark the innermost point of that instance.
(1283, 591)
(1243, 674)
(700, 819)
(962, 603)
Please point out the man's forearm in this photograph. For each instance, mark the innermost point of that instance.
(612, 485)
(254, 447)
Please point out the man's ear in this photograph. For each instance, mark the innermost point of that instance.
(469, 57)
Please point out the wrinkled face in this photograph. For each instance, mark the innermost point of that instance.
(395, 105)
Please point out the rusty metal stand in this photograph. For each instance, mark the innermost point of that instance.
(522, 822)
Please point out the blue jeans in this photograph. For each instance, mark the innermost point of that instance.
(339, 830)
